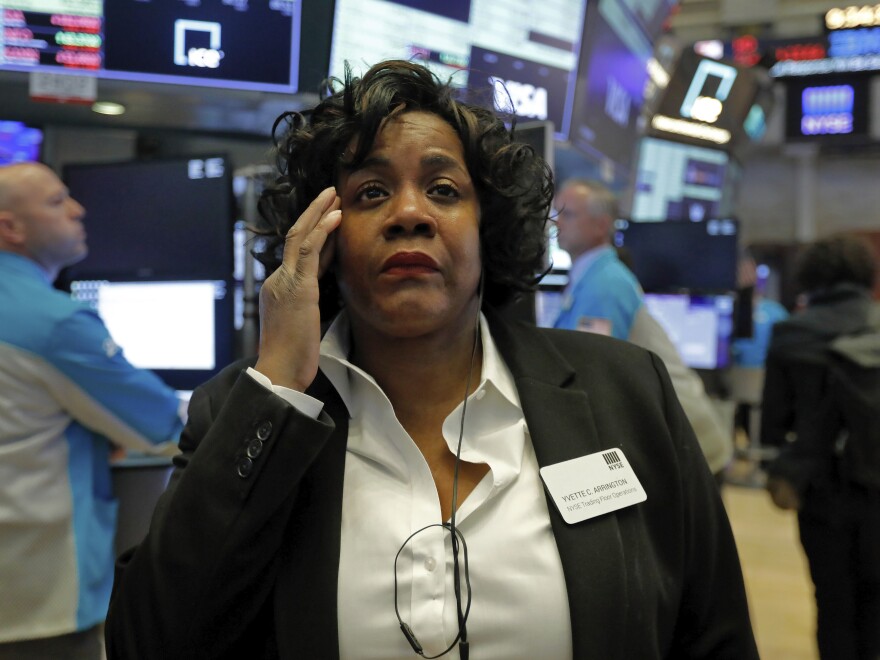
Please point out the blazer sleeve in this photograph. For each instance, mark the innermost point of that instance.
(207, 566)
(713, 619)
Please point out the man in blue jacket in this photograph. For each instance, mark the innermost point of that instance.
(603, 295)
(66, 393)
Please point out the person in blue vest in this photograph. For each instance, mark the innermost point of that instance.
(602, 295)
(66, 393)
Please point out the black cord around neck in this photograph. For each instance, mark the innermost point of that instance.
(456, 536)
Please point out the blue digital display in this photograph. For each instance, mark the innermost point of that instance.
(851, 43)
(19, 143)
(827, 110)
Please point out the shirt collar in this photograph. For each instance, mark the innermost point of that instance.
(22, 265)
(492, 410)
(336, 346)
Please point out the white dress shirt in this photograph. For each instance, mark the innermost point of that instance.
(519, 606)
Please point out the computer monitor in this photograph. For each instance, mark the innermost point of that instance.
(19, 143)
(668, 257)
(676, 181)
(231, 45)
(181, 329)
(700, 326)
(168, 219)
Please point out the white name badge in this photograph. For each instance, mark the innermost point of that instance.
(593, 485)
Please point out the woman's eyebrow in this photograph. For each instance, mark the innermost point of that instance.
(429, 160)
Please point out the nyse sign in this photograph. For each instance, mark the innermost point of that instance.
(827, 110)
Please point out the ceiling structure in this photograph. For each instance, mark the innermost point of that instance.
(161, 106)
(184, 107)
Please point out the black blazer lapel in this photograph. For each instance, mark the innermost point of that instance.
(305, 595)
(561, 426)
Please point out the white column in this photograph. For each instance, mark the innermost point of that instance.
(805, 161)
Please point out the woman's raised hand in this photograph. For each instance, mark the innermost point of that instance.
(290, 323)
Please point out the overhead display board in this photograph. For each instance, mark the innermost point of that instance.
(617, 45)
(711, 103)
(521, 54)
(828, 109)
(225, 43)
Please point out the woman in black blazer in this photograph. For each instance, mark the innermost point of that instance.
(419, 216)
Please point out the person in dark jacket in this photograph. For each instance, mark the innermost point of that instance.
(838, 515)
(427, 477)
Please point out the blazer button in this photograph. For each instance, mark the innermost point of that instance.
(255, 448)
(243, 467)
(264, 430)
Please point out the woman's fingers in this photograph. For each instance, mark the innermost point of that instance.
(301, 231)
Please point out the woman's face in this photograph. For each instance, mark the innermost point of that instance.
(408, 247)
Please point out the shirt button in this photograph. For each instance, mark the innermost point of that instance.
(243, 467)
(481, 394)
(263, 430)
(254, 449)
(430, 564)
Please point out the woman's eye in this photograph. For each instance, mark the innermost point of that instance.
(444, 190)
(370, 193)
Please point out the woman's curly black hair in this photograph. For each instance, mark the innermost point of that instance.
(514, 184)
(837, 259)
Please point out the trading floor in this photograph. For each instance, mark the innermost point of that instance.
(776, 574)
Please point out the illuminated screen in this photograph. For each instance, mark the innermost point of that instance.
(155, 218)
(182, 330)
(19, 143)
(482, 44)
(618, 41)
(827, 109)
(700, 327)
(674, 256)
(676, 181)
(210, 43)
(706, 102)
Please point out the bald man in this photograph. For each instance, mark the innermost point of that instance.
(66, 393)
(602, 294)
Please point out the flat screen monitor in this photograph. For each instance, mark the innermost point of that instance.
(617, 43)
(675, 256)
(19, 143)
(169, 219)
(700, 326)
(221, 43)
(523, 58)
(180, 329)
(676, 181)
